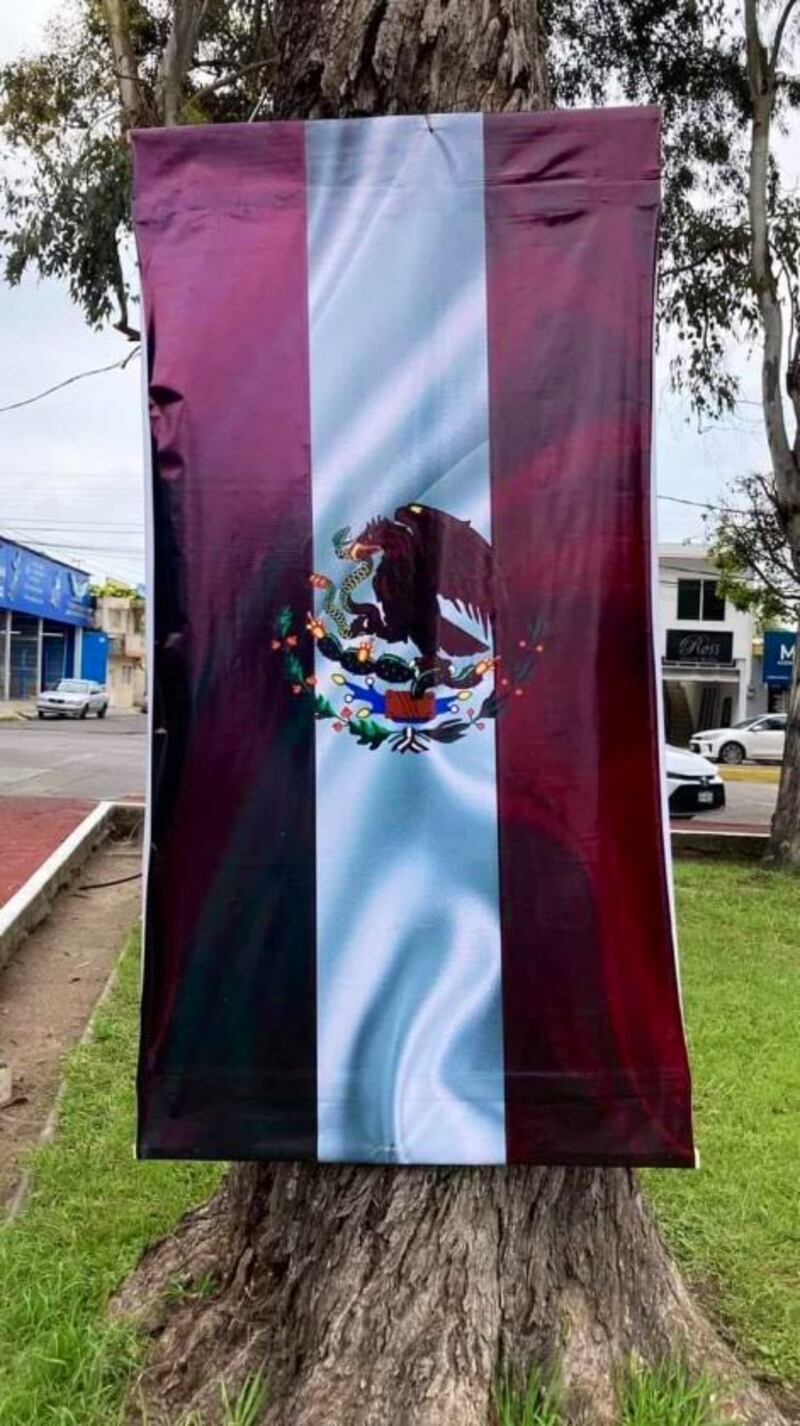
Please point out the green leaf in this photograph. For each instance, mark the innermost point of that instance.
(367, 732)
(283, 622)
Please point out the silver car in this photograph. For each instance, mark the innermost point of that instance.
(73, 698)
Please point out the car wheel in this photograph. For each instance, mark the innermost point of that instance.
(731, 753)
(40, 714)
(84, 711)
(101, 712)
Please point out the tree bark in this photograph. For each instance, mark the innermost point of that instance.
(133, 104)
(339, 58)
(179, 54)
(388, 1296)
(777, 380)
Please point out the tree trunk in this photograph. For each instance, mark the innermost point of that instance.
(784, 844)
(387, 1296)
(347, 57)
(784, 848)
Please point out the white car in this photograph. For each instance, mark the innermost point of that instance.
(73, 698)
(693, 784)
(760, 738)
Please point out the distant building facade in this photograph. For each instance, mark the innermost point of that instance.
(46, 621)
(711, 676)
(121, 620)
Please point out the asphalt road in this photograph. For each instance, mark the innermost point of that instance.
(107, 759)
(747, 803)
(102, 759)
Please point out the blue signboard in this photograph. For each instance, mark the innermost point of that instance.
(779, 647)
(33, 584)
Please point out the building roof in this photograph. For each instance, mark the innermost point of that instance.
(42, 554)
(701, 554)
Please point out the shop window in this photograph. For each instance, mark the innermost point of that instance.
(24, 663)
(54, 653)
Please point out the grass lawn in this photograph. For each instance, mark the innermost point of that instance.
(735, 1225)
(91, 1212)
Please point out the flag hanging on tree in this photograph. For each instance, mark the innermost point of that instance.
(408, 892)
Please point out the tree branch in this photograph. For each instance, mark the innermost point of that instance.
(188, 16)
(129, 82)
(232, 77)
(762, 93)
(779, 32)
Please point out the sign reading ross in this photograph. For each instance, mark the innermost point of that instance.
(699, 646)
(779, 654)
(33, 584)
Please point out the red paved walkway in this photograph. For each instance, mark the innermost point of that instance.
(30, 829)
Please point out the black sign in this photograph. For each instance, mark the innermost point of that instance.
(699, 646)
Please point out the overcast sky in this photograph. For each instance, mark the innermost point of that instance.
(71, 465)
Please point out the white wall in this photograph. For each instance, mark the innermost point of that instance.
(691, 562)
(681, 562)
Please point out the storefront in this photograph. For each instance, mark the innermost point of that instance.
(706, 646)
(45, 606)
(778, 667)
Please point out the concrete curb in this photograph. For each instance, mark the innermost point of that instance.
(28, 906)
(709, 843)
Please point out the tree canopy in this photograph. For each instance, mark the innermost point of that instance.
(748, 540)
(64, 117)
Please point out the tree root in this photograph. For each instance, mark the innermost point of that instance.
(386, 1297)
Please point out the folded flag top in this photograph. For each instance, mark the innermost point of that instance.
(408, 888)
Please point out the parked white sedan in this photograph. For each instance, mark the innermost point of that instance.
(73, 698)
(693, 784)
(760, 738)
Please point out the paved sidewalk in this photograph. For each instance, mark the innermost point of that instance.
(31, 828)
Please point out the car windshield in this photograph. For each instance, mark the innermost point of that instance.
(746, 722)
(73, 685)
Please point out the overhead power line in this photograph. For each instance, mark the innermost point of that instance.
(89, 527)
(703, 505)
(70, 380)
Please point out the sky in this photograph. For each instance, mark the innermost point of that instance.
(71, 473)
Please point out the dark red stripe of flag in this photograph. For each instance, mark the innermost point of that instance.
(596, 1069)
(228, 1055)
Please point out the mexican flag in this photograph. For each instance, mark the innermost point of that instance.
(408, 893)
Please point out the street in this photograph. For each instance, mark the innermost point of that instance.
(107, 759)
(93, 759)
(747, 804)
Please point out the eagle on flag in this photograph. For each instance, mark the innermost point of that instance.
(424, 555)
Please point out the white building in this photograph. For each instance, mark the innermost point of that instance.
(706, 647)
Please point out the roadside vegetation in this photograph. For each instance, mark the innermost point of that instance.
(734, 1226)
(90, 1213)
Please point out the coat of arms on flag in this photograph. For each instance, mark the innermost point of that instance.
(447, 687)
(408, 892)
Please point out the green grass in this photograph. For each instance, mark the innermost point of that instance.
(734, 1225)
(667, 1397)
(536, 1401)
(91, 1212)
